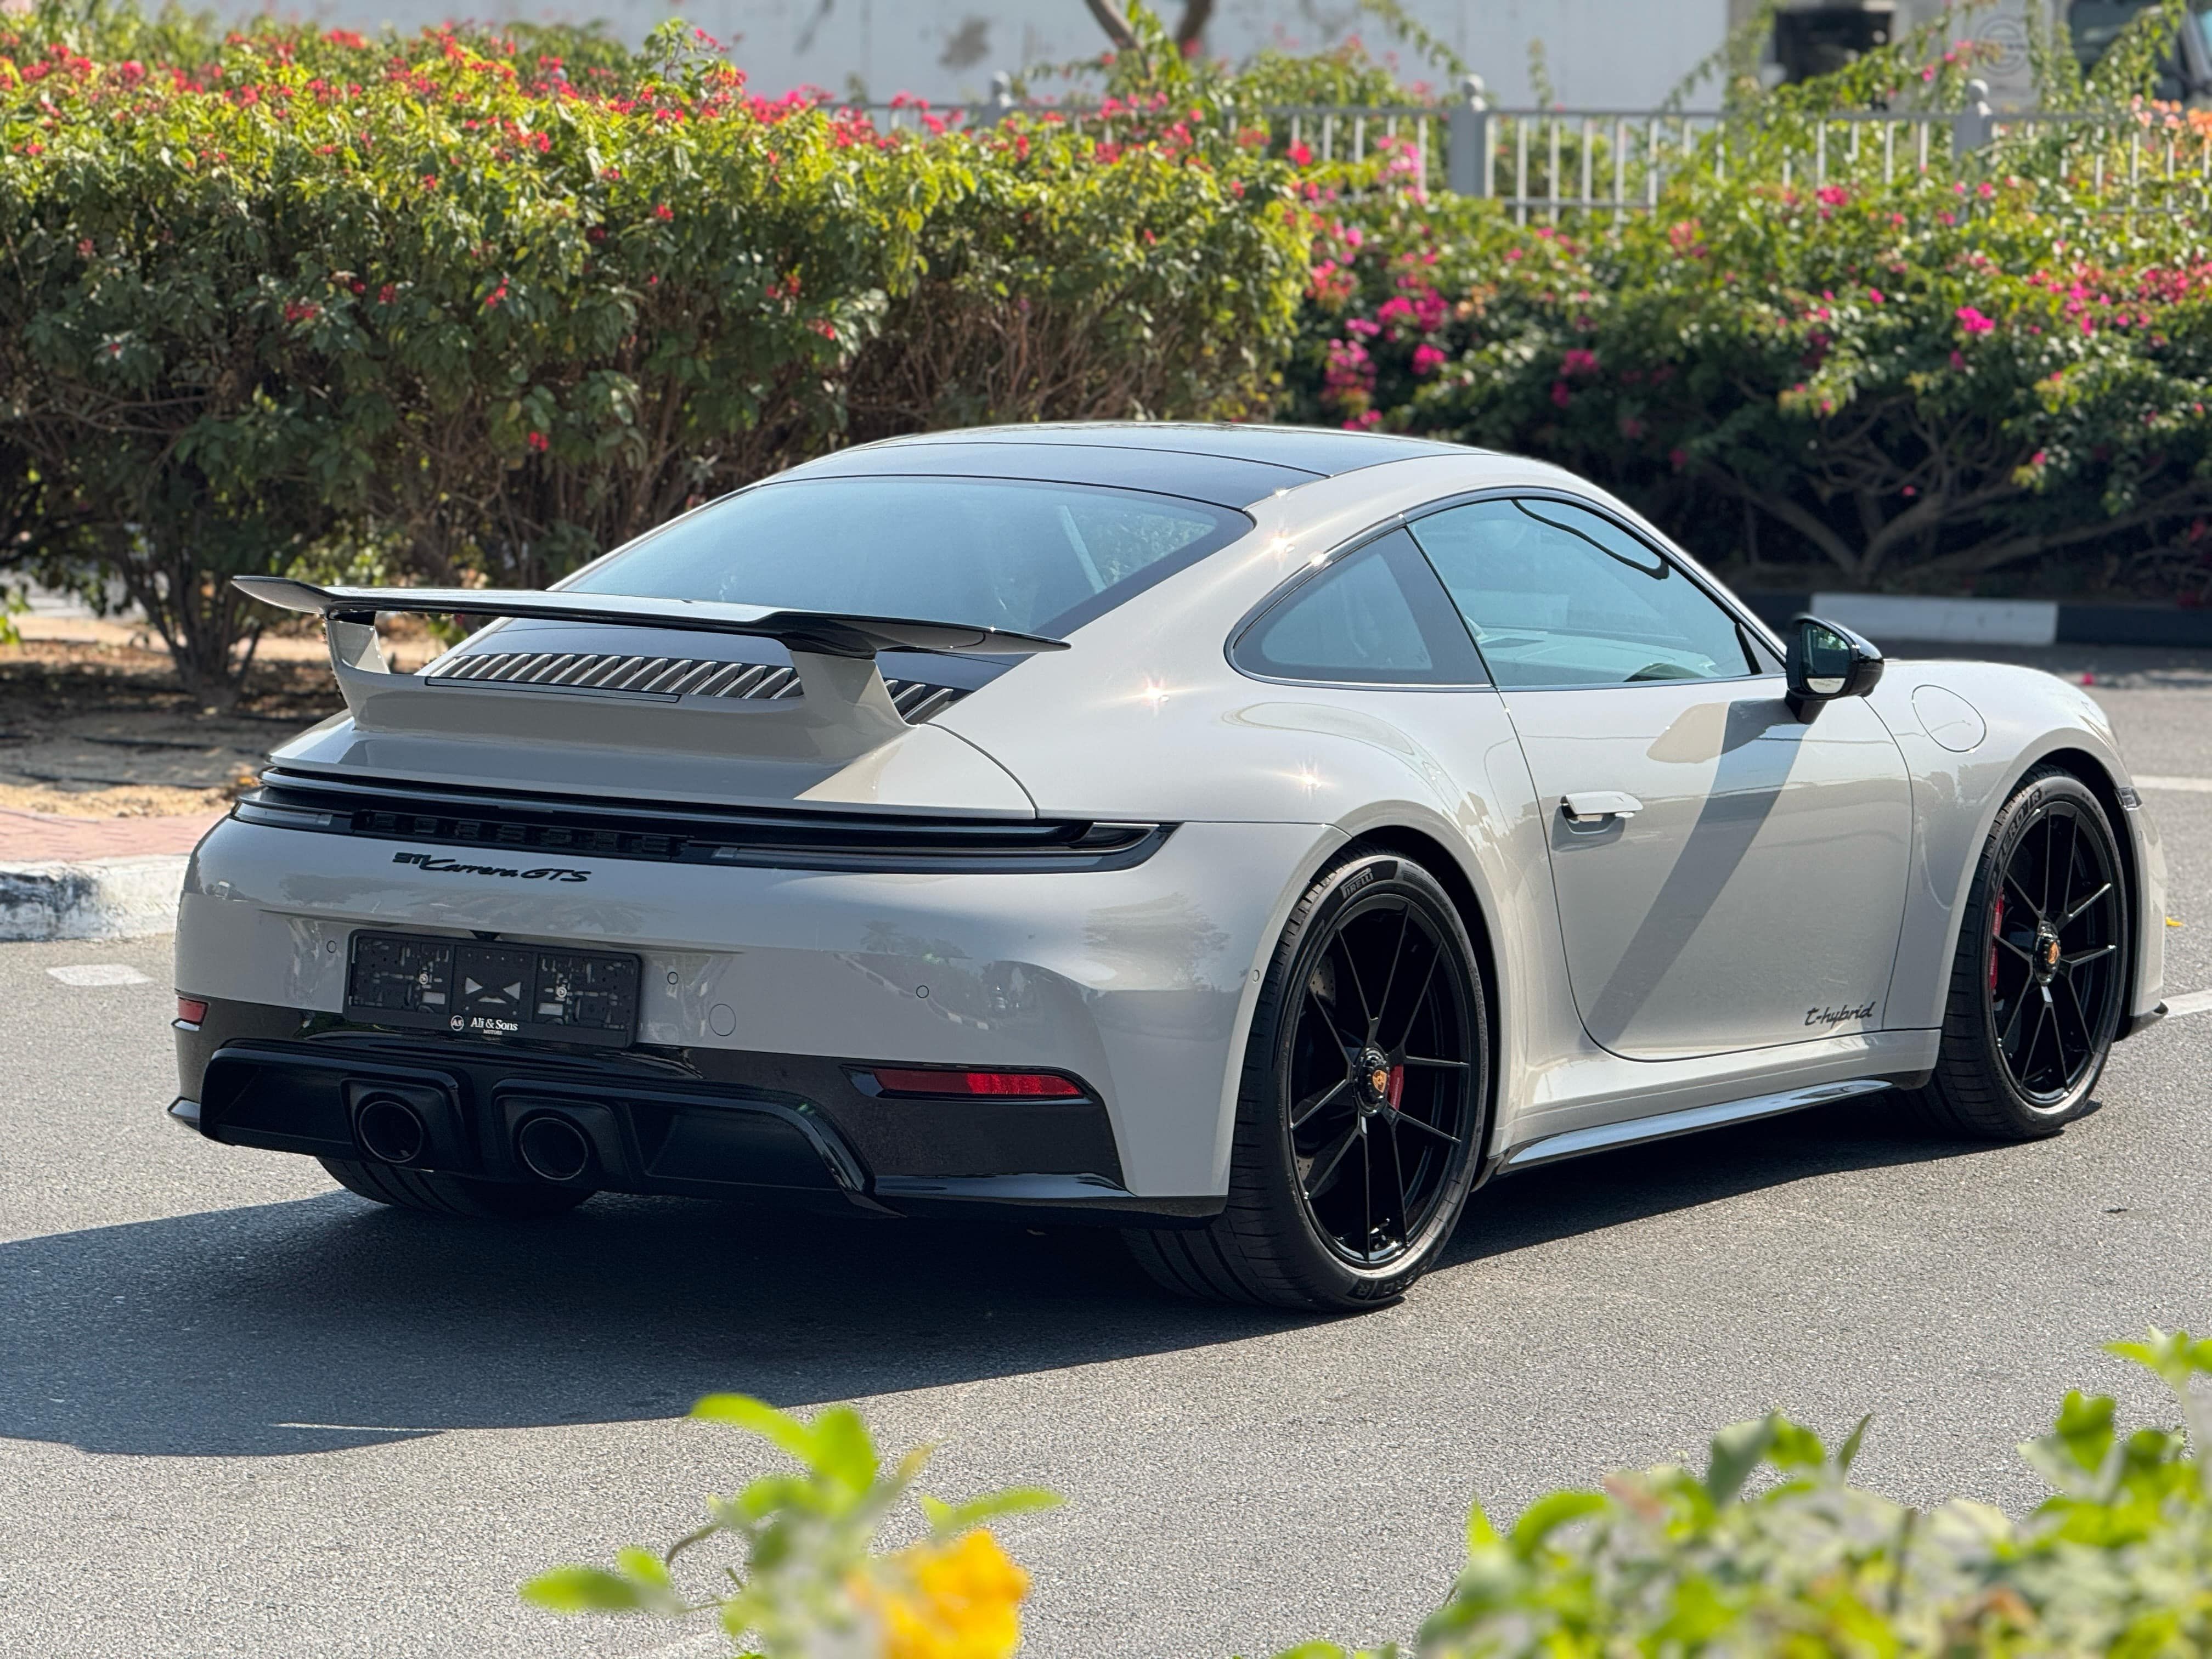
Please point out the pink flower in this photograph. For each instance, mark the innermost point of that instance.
(1958, 360)
(1575, 360)
(1301, 155)
(1875, 295)
(1561, 395)
(1832, 195)
(1427, 360)
(1973, 322)
(662, 212)
(1679, 458)
(2039, 458)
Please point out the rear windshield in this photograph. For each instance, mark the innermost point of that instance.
(1036, 558)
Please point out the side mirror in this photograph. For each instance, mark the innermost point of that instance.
(1827, 661)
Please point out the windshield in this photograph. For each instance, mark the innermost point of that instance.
(1036, 558)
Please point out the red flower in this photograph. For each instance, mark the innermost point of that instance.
(662, 212)
(386, 295)
(538, 441)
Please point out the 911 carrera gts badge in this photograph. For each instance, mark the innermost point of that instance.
(454, 866)
(1832, 1017)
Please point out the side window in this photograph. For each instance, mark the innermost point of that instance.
(1556, 595)
(1375, 617)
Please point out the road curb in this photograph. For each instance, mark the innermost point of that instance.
(1994, 621)
(98, 899)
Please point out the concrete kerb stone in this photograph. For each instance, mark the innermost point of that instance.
(100, 898)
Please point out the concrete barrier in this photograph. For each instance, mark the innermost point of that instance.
(99, 898)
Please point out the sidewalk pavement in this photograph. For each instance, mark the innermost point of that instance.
(66, 878)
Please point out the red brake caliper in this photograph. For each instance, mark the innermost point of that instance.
(1397, 1086)
(1996, 930)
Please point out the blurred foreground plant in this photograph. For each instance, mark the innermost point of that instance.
(814, 1584)
(2118, 1561)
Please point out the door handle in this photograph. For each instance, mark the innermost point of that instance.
(1590, 809)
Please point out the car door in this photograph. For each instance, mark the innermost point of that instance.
(1728, 876)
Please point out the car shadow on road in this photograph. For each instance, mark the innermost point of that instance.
(326, 1323)
(1584, 1195)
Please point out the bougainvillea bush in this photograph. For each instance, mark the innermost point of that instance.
(1993, 373)
(443, 302)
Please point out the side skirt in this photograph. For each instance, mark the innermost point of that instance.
(1665, 1124)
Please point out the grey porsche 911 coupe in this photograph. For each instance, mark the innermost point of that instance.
(1254, 839)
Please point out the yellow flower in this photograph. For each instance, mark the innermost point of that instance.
(957, 1601)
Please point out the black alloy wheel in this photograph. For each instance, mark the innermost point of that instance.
(2038, 987)
(1360, 1123)
(1376, 1103)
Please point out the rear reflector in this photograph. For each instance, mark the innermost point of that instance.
(190, 1010)
(964, 1084)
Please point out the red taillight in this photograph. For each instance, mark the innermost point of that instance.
(190, 1010)
(965, 1085)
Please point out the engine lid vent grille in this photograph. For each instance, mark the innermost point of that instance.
(669, 677)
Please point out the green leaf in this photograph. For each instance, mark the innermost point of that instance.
(1849, 1453)
(1548, 1514)
(744, 1412)
(583, 1589)
(949, 1520)
(1736, 1451)
(842, 1450)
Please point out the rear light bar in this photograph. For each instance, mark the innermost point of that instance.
(967, 1085)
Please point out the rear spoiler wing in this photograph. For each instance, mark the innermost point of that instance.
(818, 633)
(846, 711)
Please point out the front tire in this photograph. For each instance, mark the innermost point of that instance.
(1364, 1099)
(2039, 979)
(435, 1192)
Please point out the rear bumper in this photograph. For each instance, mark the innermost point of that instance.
(712, 1124)
(1139, 980)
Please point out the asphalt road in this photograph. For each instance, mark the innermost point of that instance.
(242, 1412)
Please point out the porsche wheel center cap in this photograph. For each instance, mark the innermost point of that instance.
(2047, 954)
(1372, 1070)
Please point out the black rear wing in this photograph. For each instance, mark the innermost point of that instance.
(818, 633)
(845, 710)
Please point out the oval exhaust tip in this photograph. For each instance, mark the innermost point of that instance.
(390, 1131)
(553, 1148)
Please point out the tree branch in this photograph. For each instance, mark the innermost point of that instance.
(1805, 524)
(1117, 26)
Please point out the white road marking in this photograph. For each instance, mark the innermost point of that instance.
(2183, 786)
(99, 972)
(2192, 1002)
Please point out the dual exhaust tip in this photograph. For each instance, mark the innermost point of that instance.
(551, 1147)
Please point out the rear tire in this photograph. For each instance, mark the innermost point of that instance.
(435, 1192)
(2038, 983)
(1364, 1104)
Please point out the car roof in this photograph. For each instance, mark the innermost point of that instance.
(1227, 464)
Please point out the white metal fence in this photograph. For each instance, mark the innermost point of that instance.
(1552, 163)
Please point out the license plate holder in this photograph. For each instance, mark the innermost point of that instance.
(470, 987)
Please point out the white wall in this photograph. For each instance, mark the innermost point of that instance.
(1602, 53)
